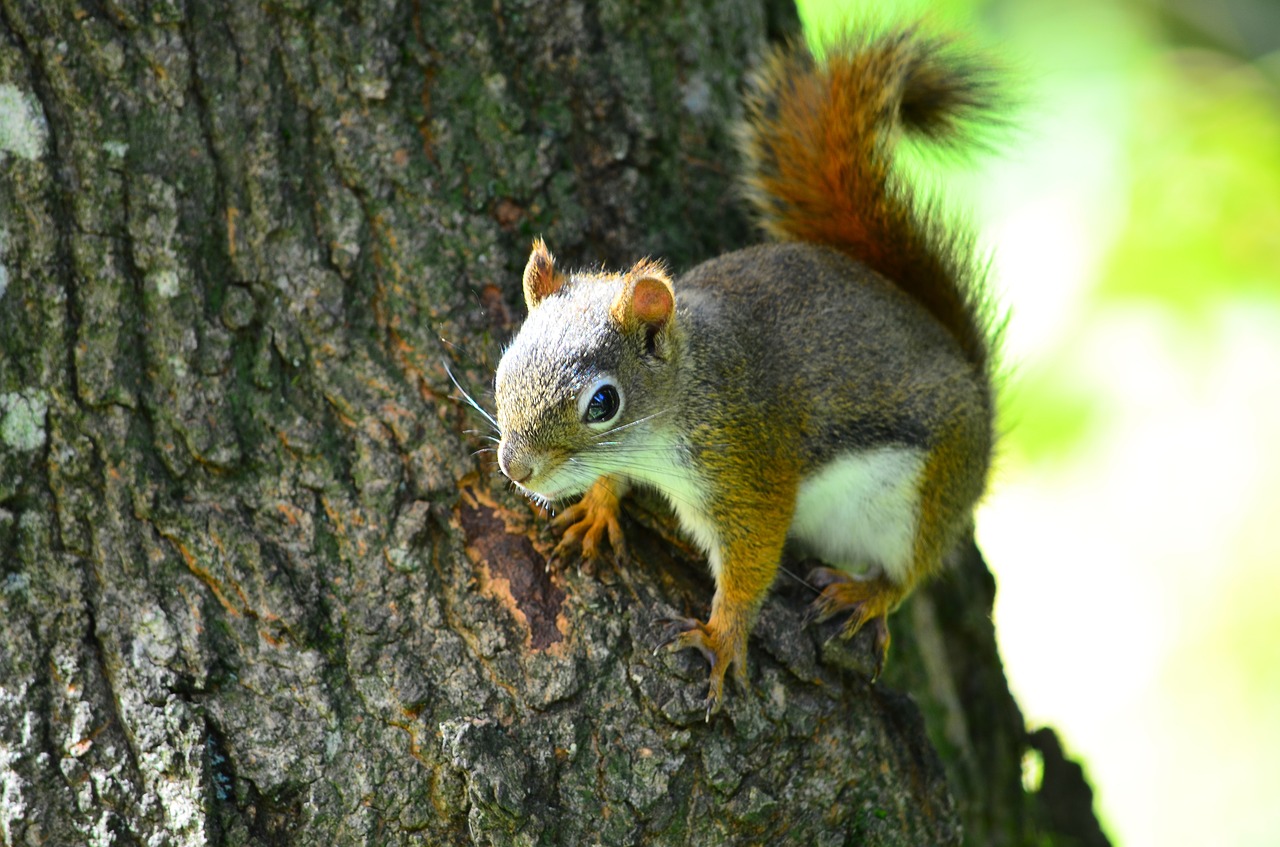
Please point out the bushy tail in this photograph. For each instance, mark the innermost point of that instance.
(818, 142)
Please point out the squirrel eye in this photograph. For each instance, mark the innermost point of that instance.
(602, 406)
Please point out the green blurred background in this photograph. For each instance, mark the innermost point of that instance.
(1133, 522)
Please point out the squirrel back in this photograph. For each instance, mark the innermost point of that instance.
(818, 151)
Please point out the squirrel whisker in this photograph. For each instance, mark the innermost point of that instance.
(470, 400)
(629, 424)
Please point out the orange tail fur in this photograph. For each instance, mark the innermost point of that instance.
(818, 144)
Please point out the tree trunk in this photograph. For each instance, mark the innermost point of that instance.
(255, 585)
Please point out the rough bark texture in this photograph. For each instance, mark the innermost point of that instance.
(255, 588)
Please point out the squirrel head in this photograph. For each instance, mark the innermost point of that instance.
(587, 378)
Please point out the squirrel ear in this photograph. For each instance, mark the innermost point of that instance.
(541, 279)
(646, 297)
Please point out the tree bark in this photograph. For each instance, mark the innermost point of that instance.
(255, 585)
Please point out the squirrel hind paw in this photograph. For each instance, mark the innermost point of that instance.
(866, 602)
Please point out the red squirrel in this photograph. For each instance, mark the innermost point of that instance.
(831, 389)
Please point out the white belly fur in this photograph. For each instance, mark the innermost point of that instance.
(671, 473)
(859, 512)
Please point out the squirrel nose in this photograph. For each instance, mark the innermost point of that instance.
(516, 469)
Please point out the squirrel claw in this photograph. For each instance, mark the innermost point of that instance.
(713, 703)
(865, 601)
(691, 634)
(880, 645)
(821, 578)
(588, 522)
(676, 629)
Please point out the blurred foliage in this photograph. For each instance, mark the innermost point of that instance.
(1205, 187)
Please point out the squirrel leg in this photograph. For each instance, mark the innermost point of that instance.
(869, 601)
(746, 571)
(944, 510)
(593, 517)
(866, 601)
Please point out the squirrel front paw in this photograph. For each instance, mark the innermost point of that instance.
(587, 522)
(721, 649)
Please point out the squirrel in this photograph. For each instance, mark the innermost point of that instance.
(831, 390)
